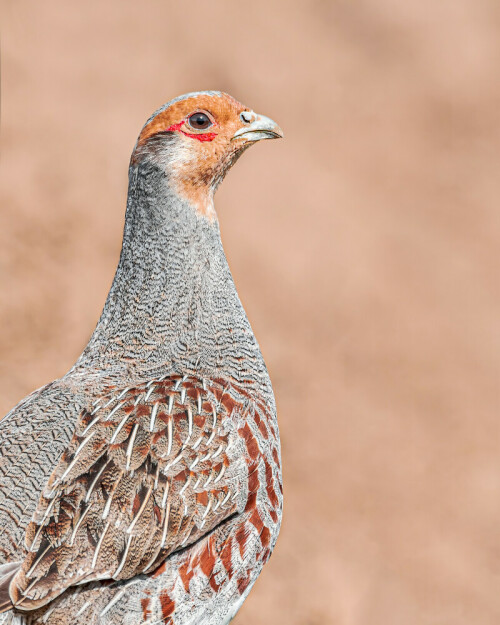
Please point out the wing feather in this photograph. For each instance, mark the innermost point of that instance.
(145, 474)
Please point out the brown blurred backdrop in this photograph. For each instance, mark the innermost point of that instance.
(364, 247)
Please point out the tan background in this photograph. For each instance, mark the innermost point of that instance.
(364, 247)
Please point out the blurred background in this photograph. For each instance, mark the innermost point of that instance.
(365, 248)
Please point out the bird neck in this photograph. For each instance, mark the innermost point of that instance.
(173, 305)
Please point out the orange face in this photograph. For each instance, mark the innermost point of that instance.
(209, 131)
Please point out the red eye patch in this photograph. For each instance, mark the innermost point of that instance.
(207, 136)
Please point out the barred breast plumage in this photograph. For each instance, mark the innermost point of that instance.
(145, 485)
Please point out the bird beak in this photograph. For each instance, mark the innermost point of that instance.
(257, 127)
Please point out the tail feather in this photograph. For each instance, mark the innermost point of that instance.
(7, 572)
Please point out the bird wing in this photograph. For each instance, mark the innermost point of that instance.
(145, 474)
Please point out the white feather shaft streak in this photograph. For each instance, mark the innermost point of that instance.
(99, 544)
(37, 561)
(118, 428)
(39, 530)
(115, 409)
(153, 417)
(165, 526)
(75, 457)
(83, 608)
(130, 446)
(165, 495)
(116, 598)
(141, 510)
(110, 496)
(124, 558)
(93, 422)
(170, 435)
(220, 474)
(79, 522)
(188, 481)
(94, 482)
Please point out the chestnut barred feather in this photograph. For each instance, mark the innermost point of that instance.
(146, 473)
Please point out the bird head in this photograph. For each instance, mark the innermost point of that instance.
(196, 138)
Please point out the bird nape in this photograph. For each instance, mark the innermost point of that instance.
(144, 486)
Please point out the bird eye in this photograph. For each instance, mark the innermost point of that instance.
(199, 121)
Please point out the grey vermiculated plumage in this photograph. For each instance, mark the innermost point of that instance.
(145, 486)
(173, 294)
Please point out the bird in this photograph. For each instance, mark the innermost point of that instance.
(145, 486)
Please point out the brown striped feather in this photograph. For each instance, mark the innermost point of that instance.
(103, 513)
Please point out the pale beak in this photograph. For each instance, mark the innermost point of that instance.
(257, 127)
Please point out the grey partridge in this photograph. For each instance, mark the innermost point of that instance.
(144, 486)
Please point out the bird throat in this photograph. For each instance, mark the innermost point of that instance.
(173, 299)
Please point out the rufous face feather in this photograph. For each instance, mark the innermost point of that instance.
(196, 138)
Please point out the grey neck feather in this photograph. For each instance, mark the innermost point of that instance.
(173, 305)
